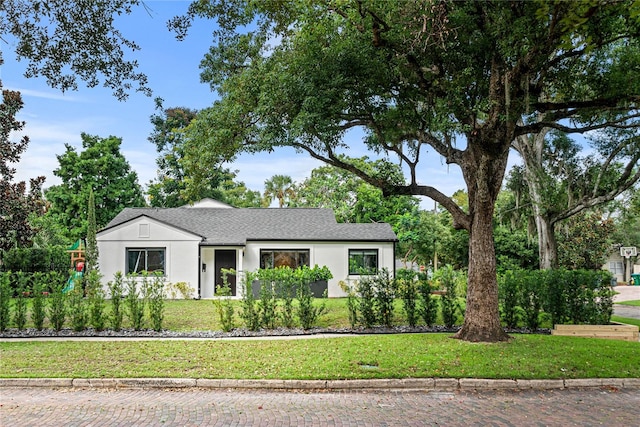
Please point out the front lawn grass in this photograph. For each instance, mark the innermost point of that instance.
(626, 320)
(635, 303)
(340, 358)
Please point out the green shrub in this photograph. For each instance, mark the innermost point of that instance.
(352, 303)
(428, 307)
(308, 313)
(286, 281)
(249, 314)
(447, 278)
(96, 300)
(531, 300)
(268, 299)
(57, 301)
(407, 285)
(38, 304)
(182, 288)
(509, 293)
(134, 303)
(153, 287)
(223, 304)
(77, 309)
(20, 306)
(563, 296)
(116, 289)
(365, 290)
(385, 294)
(5, 301)
(32, 260)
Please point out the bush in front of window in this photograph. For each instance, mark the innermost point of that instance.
(134, 304)
(153, 287)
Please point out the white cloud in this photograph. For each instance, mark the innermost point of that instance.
(57, 96)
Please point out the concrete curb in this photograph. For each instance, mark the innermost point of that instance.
(425, 384)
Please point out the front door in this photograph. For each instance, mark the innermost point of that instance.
(226, 259)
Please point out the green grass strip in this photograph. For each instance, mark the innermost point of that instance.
(634, 303)
(626, 320)
(382, 356)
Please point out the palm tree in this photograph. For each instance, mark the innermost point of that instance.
(280, 187)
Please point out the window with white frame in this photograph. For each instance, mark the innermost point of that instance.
(145, 259)
(616, 267)
(363, 261)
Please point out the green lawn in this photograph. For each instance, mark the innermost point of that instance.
(626, 320)
(635, 303)
(380, 356)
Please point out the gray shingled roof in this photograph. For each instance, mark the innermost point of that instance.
(223, 226)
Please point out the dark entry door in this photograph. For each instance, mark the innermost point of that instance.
(226, 258)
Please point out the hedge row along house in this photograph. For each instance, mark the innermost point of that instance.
(193, 243)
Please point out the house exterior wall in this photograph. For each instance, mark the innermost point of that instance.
(621, 267)
(334, 255)
(181, 249)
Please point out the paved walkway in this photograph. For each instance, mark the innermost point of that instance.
(195, 407)
(626, 293)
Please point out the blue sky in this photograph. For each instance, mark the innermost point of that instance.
(53, 118)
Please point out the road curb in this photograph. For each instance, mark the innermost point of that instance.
(436, 384)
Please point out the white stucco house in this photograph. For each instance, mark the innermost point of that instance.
(193, 243)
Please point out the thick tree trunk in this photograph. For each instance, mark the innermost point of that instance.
(482, 317)
(547, 246)
(483, 171)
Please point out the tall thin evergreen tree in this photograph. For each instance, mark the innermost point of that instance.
(91, 255)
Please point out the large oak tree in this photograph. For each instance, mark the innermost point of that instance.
(64, 41)
(464, 79)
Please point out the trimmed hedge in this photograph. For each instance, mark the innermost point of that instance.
(566, 296)
(31, 260)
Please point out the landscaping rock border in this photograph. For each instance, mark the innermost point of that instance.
(236, 333)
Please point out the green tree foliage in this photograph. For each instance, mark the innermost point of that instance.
(168, 138)
(99, 167)
(463, 78)
(584, 241)
(91, 254)
(561, 181)
(48, 232)
(352, 199)
(169, 189)
(16, 203)
(627, 220)
(237, 194)
(329, 187)
(53, 38)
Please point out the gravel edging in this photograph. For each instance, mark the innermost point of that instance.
(236, 333)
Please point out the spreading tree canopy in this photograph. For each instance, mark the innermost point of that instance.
(69, 40)
(464, 79)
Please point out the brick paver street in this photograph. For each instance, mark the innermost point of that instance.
(194, 407)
